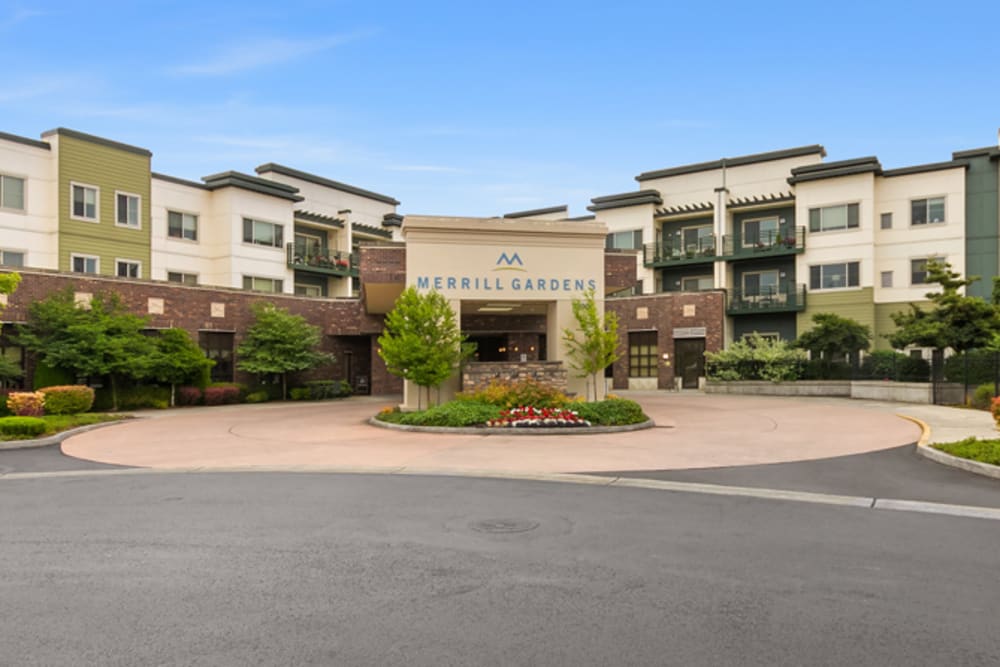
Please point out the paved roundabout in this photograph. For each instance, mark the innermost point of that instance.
(692, 431)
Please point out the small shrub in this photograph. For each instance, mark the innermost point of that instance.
(299, 394)
(512, 394)
(140, 397)
(26, 403)
(320, 390)
(68, 399)
(756, 358)
(995, 409)
(222, 393)
(188, 396)
(258, 397)
(22, 426)
(982, 397)
(611, 412)
(892, 365)
(984, 451)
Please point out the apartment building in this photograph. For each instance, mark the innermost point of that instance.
(788, 235)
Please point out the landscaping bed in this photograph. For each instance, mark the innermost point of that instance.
(983, 451)
(40, 427)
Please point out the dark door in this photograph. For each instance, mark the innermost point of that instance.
(689, 354)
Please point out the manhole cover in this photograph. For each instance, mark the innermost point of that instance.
(504, 525)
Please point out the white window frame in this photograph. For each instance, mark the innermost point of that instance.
(138, 212)
(197, 220)
(940, 258)
(273, 280)
(24, 193)
(927, 210)
(138, 268)
(23, 253)
(847, 221)
(97, 202)
(97, 264)
(251, 242)
(181, 281)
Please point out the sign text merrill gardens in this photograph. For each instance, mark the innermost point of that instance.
(498, 283)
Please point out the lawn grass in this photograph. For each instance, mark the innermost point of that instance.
(984, 451)
(56, 423)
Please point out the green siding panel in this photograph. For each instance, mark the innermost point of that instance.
(857, 304)
(883, 320)
(781, 323)
(111, 170)
(982, 224)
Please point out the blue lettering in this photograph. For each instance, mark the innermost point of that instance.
(554, 285)
(515, 284)
(566, 284)
(423, 282)
(499, 284)
(452, 283)
(591, 284)
(578, 285)
(486, 285)
(437, 282)
(465, 283)
(540, 284)
(528, 285)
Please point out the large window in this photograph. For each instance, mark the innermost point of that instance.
(11, 193)
(834, 276)
(830, 218)
(84, 264)
(262, 233)
(923, 211)
(629, 240)
(697, 239)
(14, 258)
(218, 346)
(697, 283)
(182, 278)
(84, 202)
(642, 354)
(128, 268)
(760, 283)
(256, 284)
(182, 226)
(761, 232)
(918, 269)
(127, 210)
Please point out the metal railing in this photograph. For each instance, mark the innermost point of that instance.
(671, 252)
(788, 241)
(321, 260)
(784, 297)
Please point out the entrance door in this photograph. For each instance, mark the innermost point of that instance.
(689, 354)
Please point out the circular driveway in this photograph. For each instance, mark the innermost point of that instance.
(693, 431)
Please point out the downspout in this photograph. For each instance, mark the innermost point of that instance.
(722, 196)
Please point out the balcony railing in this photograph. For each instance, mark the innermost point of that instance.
(673, 253)
(791, 241)
(321, 260)
(783, 298)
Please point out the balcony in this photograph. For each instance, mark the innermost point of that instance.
(658, 255)
(790, 241)
(325, 261)
(785, 298)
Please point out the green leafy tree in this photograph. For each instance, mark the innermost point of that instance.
(957, 321)
(8, 369)
(280, 343)
(594, 346)
(421, 341)
(833, 336)
(176, 359)
(101, 339)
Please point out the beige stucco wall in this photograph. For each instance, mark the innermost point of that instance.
(517, 261)
(33, 231)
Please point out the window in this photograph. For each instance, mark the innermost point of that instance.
(84, 202)
(127, 268)
(308, 290)
(629, 240)
(262, 233)
(182, 226)
(760, 284)
(698, 239)
(887, 221)
(182, 278)
(887, 279)
(830, 218)
(255, 284)
(84, 264)
(834, 276)
(697, 283)
(763, 232)
(923, 211)
(12, 193)
(642, 354)
(127, 209)
(11, 258)
(918, 269)
(218, 346)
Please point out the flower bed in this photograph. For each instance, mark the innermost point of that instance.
(531, 417)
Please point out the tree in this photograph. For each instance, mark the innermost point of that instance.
(421, 341)
(96, 340)
(595, 346)
(833, 336)
(175, 359)
(279, 342)
(8, 369)
(957, 321)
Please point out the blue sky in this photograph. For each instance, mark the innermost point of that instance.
(467, 108)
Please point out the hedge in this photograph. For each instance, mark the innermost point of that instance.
(67, 399)
(22, 426)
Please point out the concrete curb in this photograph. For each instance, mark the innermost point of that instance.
(928, 452)
(589, 430)
(58, 437)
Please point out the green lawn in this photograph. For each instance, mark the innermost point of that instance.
(984, 451)
(57, 423)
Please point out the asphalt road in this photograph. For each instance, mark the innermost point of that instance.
(268, 568)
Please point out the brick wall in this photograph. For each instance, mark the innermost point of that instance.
(619, 270)
(662, 313)
(382, 264)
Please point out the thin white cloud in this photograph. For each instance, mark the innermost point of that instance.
(19, 16)
(431, 168)
(41, 86)
(254, 54)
